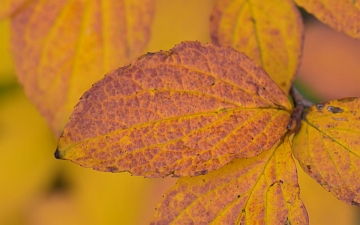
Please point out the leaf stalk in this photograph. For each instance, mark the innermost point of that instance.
(300, 105)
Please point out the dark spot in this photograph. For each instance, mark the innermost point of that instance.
(60, 183)
(203, 172)
(238, 196)
(308, 167)
(289, 126)
(319, 106)
(203, 180)
(252, 20)
(57, 154)
(86, 95)
(111, 169)
(280, 181)
(213, 84)
(355, 203)
(334, 109)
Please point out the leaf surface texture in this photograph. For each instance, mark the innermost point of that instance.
(62, 47)
(183, 112)
(343, 16)
(259, 190)
(269, 32)
(328, 147)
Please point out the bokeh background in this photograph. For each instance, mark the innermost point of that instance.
(37, 189)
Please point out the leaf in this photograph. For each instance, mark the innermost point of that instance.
(183, 112)
(259, 190)
(343, 16)
(8, 7)
(270, 32)
(62, 47)
(328, 147)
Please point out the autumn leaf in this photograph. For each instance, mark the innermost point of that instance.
(270, 32)
(328, 147)
(343, 16)
(8, 7)
(62, 47)
(259, 190)
(183, 112)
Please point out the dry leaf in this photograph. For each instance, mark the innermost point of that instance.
(343, 16)
(62, 47)
(259, 190)
(328, 147)
(270, 32)
(183, 112)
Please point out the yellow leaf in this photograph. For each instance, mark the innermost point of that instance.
(270, 32)
(183, 112)
(259, 190)
(8, 7)
(343, 16)
(62, 47)
(322, 206)
(328, 147)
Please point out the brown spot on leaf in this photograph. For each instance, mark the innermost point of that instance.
(334, 109)
(320, 106)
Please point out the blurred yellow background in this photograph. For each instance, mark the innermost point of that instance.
(37, 189)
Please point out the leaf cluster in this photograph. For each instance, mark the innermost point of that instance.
(218, 117)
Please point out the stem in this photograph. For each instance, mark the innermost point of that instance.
(300, 104)
(299, 99)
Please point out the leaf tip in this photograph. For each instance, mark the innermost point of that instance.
(57, 154)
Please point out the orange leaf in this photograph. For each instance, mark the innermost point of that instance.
(62, 47)
(258, 190)
(328, 147)
(183, 112)
(270, 32)
(343, 16)
(8, 7)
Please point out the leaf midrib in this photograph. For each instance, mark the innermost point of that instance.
(168, 119)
